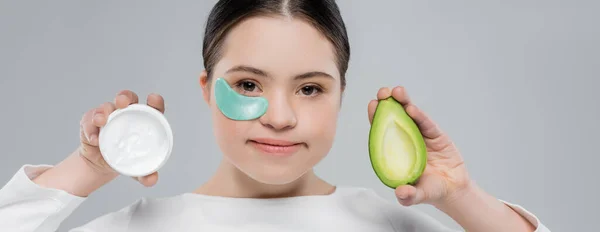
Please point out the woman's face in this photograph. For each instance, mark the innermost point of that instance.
(292, 65)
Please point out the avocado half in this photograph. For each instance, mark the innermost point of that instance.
(396, 146)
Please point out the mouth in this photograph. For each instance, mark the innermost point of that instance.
(275, 147)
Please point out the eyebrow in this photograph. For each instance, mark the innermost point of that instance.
(256, 71)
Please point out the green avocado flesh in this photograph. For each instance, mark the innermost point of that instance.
(396, 147)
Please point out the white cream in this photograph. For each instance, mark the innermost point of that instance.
(136, 141)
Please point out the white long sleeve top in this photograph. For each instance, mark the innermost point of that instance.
(28, 207)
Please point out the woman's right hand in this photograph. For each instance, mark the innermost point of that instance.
(92, 122)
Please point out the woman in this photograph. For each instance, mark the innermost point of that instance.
(295, 54)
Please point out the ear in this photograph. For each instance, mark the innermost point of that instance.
(204, 84)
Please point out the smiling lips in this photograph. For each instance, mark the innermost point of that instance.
(275, 147)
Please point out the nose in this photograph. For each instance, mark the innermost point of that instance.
(280, 114)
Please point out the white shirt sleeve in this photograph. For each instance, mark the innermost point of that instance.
(422, 221)
(28, 207)
(529, 216)
(409, 219)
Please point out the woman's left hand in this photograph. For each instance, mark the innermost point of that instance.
(445, 176)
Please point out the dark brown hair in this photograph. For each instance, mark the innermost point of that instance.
(324, 15)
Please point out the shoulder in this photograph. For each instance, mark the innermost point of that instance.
(368, 202)
(145, 212)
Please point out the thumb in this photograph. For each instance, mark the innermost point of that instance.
(149, 180)
(409, 195)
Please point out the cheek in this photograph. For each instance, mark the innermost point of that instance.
(317, 121)
(224, 128)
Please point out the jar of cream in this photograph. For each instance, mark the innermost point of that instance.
(136, 140)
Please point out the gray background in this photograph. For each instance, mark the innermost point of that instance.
(512, 82)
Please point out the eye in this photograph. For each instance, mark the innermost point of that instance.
(247, 87)
(310, 90)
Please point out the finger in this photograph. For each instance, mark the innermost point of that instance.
(125, 98)
(371, 109)
(108, 108)
(156, 101)
(408, 195)
(427, 126)
(101, 114)
(90, 130)
(149, 180)
(99, 118)
(384, 93)
(399, 93)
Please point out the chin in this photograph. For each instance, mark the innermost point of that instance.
(273, 169)
(275, 175)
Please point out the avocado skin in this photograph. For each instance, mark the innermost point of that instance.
(381, 121)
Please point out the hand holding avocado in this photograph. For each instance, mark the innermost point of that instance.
(411, 154)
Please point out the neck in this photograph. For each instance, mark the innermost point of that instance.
(229, 181)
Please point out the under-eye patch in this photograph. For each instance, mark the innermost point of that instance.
(236, 106)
